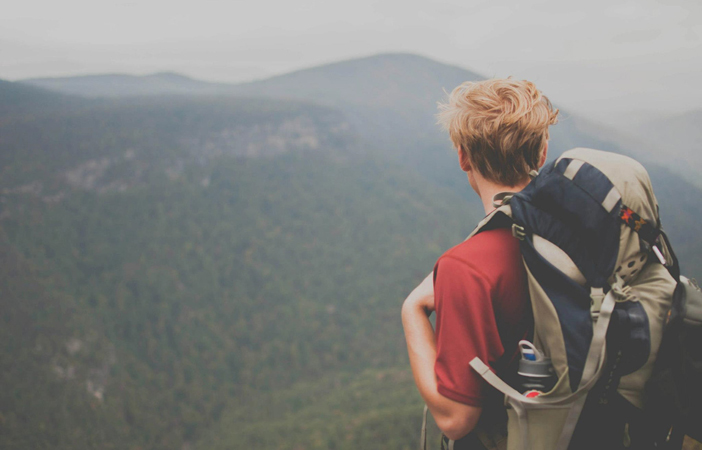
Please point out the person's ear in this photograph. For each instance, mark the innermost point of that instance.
(542, 160)
(464, 160)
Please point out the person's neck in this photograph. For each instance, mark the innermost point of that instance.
(487, 191)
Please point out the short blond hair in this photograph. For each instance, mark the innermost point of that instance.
(502, 124)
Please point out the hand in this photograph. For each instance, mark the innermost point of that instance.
(423, 295)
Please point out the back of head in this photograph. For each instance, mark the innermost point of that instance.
(502, 124)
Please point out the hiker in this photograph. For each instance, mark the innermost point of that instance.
(478, 289)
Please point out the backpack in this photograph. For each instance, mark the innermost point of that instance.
(620, 325)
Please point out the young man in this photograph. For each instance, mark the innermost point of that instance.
(478, 288)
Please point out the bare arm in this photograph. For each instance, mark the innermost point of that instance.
(453, 418)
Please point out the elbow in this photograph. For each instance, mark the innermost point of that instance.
(456, 427)
(406, 306)
(408, 309)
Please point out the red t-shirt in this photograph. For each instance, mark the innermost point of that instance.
(482, 309)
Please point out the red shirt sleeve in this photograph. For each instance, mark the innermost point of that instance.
(481, 302)
(465, 328)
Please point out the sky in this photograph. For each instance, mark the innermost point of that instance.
(603, 58)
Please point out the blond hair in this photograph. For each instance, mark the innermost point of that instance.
(502, 124)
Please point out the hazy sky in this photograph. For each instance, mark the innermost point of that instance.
(637, 56)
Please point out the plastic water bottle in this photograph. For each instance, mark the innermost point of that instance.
(536, 371)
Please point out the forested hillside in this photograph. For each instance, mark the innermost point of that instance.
(226, 272)
(194, 266)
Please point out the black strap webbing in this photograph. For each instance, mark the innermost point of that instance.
(646, 231)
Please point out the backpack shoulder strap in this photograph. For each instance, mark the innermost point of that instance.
(499, 218)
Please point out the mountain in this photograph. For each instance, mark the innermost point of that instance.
(395, 81)
(390, 99)
(119, 85)
(395, 92)
(17, 97)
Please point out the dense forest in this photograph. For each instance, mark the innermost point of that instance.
(274, 273)
(179, 281)
(226, 272)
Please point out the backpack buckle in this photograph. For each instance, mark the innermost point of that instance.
(518, 231)
(597, 296)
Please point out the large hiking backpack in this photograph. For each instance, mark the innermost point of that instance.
(605, 287)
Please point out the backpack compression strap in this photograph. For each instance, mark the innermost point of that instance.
(645, 230)
(651, 234)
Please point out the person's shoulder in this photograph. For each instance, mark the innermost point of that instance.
(496, 243)
(492, 256)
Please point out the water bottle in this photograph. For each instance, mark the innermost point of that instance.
(535, 370)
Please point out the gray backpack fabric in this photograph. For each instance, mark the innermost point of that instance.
(598, 267)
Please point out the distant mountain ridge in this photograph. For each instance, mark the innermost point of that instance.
(389, 96)
(398, 92)
(393, 90)
(17, 97)
(392, 81)
(122, 85)
(357, 81)
(390, 99)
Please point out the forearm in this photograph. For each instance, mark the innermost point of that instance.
(454, 419)
(421, 347)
